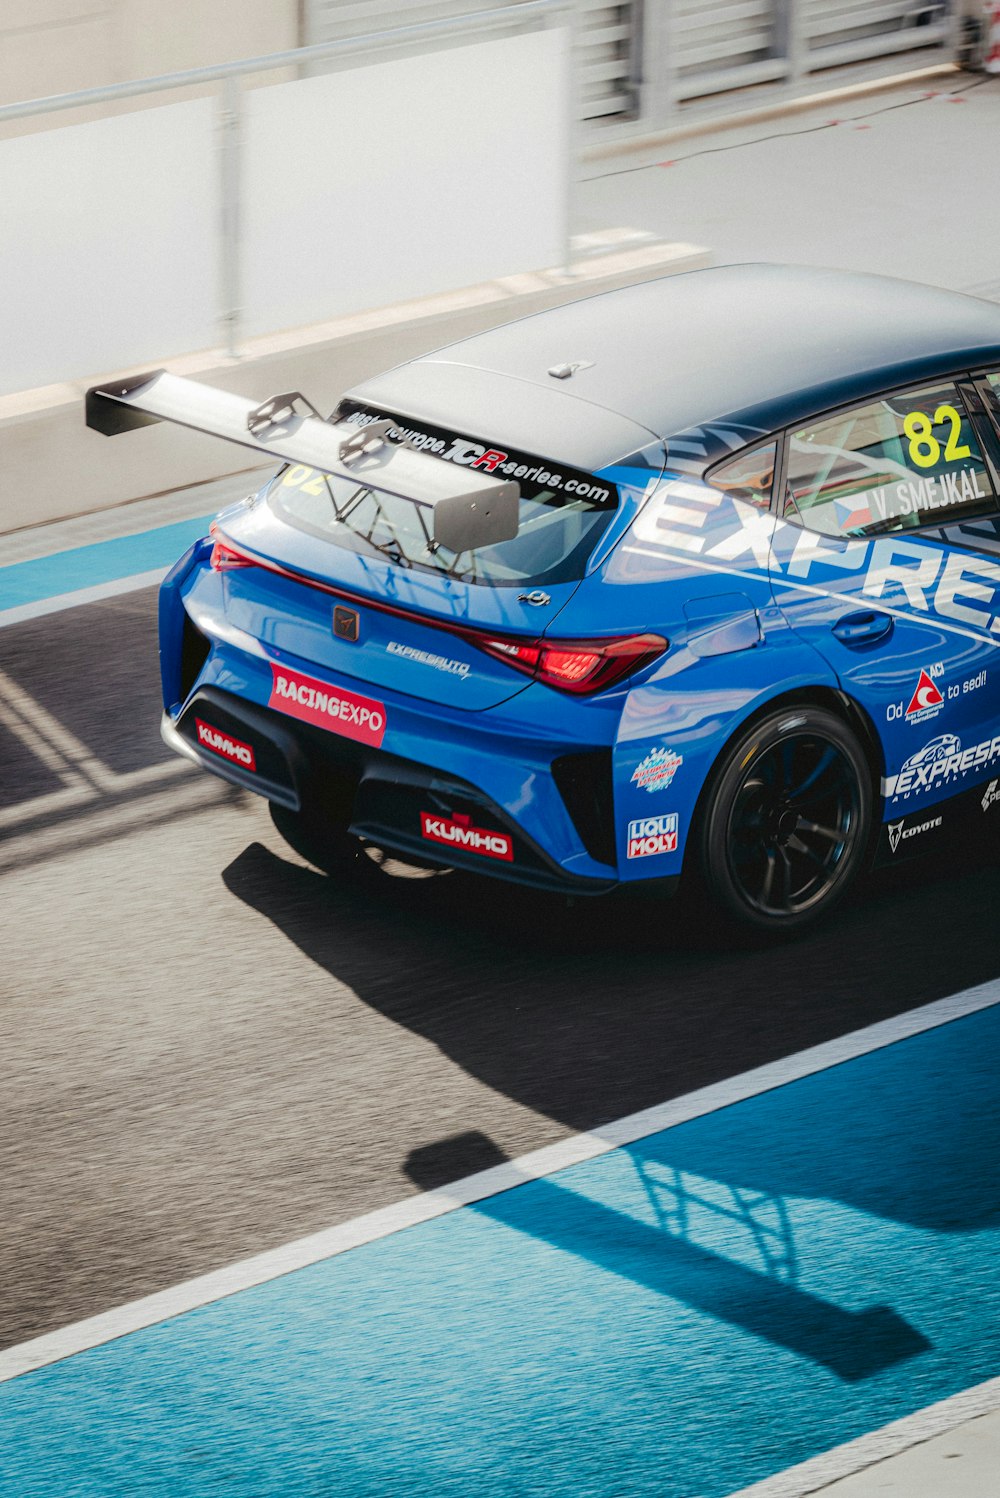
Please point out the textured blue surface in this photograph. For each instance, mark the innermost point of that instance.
(677, 1319)
(103, 562)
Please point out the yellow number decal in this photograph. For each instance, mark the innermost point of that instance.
(952, 451)
(925, 449)
(295, 476)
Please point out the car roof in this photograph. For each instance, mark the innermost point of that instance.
(758, 346)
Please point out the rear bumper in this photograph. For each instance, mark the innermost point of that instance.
(402, 805)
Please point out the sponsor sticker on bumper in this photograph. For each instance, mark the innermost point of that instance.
(651, 835)
(223, 744)
(657, 770)
(458, 832)
(333, 708)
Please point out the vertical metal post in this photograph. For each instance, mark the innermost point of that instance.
(789, 27)
(567, 17)
(668, 80)
(636, 48)
(230, 143)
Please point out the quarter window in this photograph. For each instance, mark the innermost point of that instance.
(749, 477)
(901, 462)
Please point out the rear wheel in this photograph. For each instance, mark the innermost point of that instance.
(788, 819)
(319, 837)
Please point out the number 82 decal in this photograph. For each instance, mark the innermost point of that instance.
(925, 449)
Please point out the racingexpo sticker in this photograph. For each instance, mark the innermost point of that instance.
(313, 701)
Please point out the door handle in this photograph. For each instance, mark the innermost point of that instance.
(863, 628)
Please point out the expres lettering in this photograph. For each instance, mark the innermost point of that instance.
(317, 702)
(228, 748)
(938, 764)
(957, 589)
(459, 832)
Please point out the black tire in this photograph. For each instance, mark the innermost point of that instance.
(319, 838)
(787, 822)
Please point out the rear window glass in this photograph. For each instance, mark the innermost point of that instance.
(563, 511)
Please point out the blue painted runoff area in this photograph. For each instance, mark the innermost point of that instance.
(102, 562)
(677, 1318)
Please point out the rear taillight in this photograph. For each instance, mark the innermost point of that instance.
(224, 558)
(580, 666)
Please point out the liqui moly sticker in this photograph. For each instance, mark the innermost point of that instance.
(657, 770)
(313, 701)
(651, 835)
(224, 744)
(458, 832)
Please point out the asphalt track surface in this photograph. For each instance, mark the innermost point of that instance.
(210, 1049)
(723, 1297)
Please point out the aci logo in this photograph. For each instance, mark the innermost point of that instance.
(926, 701)
(652, 835)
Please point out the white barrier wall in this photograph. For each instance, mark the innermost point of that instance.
(404, 178)
(108, 244)
(357, 189)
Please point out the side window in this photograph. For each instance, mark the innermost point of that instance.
(901, 462)
(992, 393)
(749, 477)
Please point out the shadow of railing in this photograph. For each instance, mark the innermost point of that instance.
(764, 1302)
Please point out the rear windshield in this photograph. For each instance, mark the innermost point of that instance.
(562, 511)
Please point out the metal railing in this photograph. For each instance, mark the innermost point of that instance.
(511, 18)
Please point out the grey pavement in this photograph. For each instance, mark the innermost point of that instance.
(903, 184)
(965, 1463)
(211, 1049)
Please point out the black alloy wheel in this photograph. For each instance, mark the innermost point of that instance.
(788, 820)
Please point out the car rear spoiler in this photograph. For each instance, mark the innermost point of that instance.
(468, 509)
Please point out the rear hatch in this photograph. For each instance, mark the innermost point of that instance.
(350, 582)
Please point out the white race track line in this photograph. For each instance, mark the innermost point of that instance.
(206, 1288)
(900, 1435)
(82, 595)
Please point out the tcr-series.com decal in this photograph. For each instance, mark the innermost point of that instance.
(694, 524)
(534, 473)
(651, 835)
(657, 770)
(939, 765)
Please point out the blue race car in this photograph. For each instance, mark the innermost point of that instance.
(697, 578)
